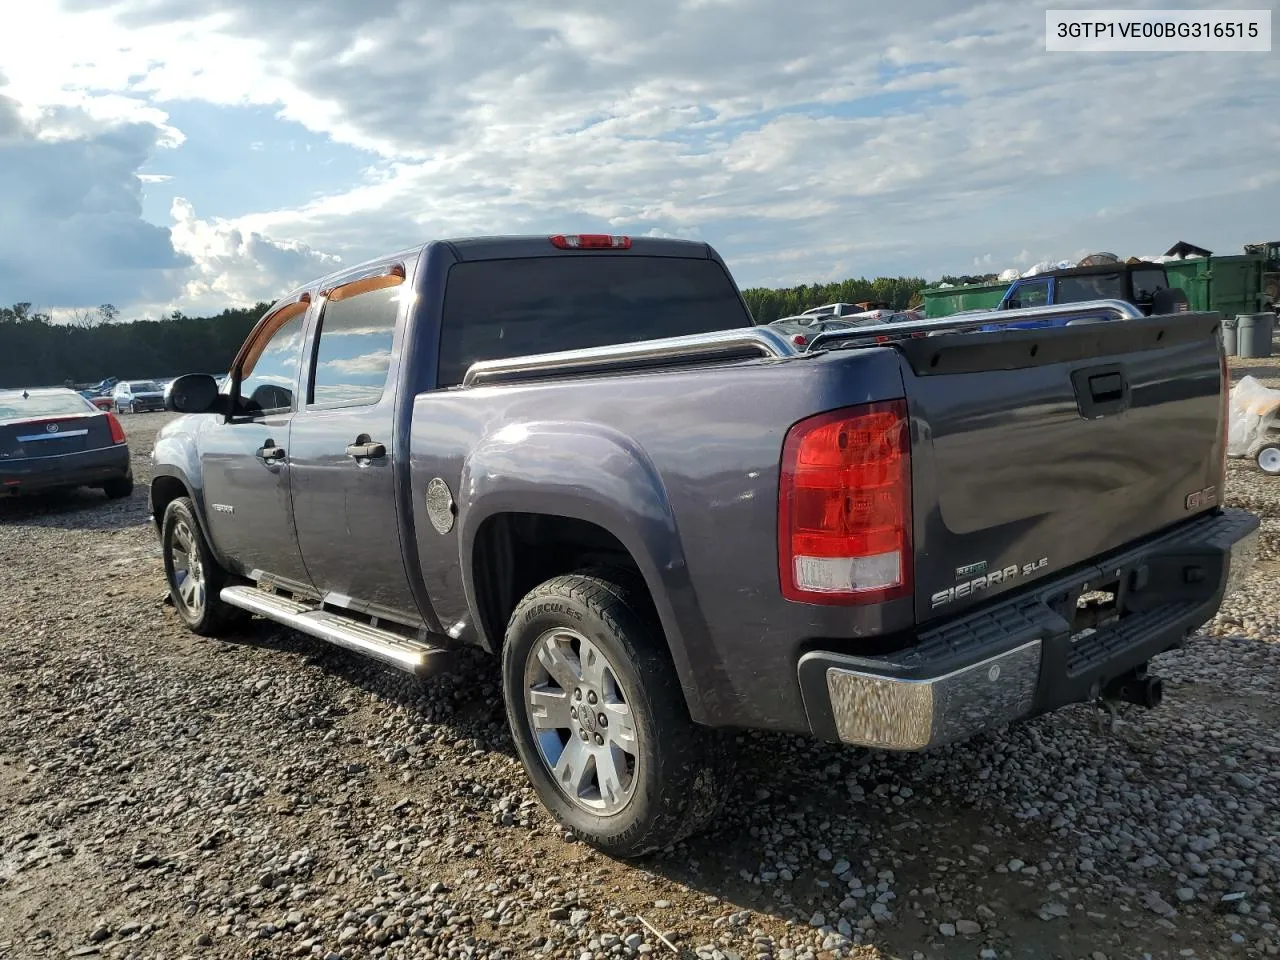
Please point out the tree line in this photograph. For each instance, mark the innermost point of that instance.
(93, 345)
(768, 305)
(36, 351)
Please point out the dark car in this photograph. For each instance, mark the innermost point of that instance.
(55, 438)
(580, 454)
(137, 396)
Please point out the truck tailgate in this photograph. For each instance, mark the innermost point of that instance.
(1036, 450)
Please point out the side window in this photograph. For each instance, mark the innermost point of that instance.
(267, 380)
(353, 351)
(1033, 294)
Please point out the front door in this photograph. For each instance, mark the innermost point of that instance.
(342, 454)
(245, 462)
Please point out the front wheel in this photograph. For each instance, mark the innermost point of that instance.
(194, 576)
(600, 722)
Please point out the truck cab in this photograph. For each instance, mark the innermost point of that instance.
(1144, 284)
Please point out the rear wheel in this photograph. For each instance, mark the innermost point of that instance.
(194, 576)
(600, 722)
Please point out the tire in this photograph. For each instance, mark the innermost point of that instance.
(1268, 459)
(119, 488)
(198, 604)
(674, 782)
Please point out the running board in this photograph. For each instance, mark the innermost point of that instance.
(413, 656)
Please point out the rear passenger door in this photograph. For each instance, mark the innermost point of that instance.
(343, 454)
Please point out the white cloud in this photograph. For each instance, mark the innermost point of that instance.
(233, 266)
(803, 141)
(71, 231)
(366, 364)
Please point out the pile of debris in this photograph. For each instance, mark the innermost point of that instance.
(1179, 251)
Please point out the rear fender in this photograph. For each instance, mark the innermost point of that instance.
(593, 473)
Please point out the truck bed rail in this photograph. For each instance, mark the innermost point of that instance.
(717, 345)
(760, 342)
(1089, 311)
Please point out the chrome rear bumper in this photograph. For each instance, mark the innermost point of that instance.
(896, 714)
(1021, 656)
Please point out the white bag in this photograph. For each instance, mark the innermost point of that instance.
(1251, 415)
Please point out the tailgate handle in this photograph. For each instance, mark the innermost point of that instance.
(1106, 387)
(1101, 391)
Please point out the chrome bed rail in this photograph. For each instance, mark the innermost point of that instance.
(761, 341)
(717, 345)
(1089, 311)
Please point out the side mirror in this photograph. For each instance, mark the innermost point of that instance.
(194, 393)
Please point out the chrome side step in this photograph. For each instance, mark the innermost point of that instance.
(412, 656)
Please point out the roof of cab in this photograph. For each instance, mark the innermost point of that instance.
(539, 245)
(504, 248)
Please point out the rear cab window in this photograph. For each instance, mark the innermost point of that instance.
(1097, 286)
(494, 309)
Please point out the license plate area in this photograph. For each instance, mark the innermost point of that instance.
(1096, 606)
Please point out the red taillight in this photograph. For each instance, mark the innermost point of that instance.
(799, 339)
(590, 241)
(844, 506)
(117, 431)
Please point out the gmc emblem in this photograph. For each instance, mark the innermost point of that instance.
(1202, 498)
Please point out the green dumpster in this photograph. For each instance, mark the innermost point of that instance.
(944, 301)
(1230, 285)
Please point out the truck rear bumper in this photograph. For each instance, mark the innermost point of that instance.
(1037, 650)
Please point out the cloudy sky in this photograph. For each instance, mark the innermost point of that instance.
(204, 153)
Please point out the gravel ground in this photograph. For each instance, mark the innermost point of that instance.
(165, 796)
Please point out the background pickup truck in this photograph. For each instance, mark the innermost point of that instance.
(579, 454)
(1141, 283)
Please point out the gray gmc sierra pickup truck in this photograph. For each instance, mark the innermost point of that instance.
(580, 454)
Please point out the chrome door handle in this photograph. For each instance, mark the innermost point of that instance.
(366, 451)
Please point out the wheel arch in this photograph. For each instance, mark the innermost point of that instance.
(168, 484)
(569, 496)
